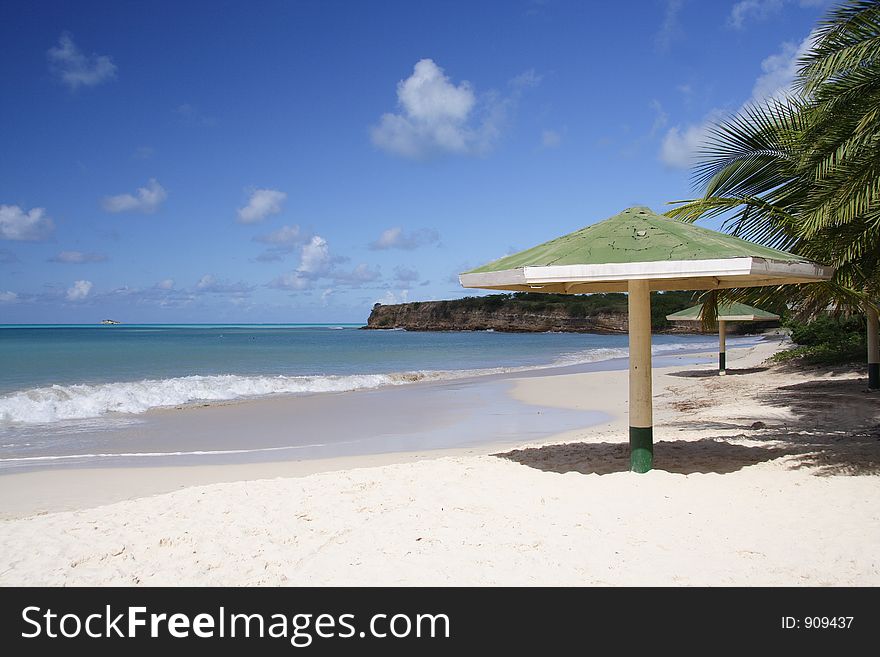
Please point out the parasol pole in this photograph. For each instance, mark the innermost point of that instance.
(873, 348)
(641, 431)
(722, 347)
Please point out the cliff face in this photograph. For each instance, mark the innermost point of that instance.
(441, 316)
(501, 314)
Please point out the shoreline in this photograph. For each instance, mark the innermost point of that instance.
(767, 476)
(212, 432)
(271, 385)
(67, 486)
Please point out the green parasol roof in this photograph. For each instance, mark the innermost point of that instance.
(727, 312)
(638, 244)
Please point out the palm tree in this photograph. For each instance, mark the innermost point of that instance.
(841, 147)
(803, 174)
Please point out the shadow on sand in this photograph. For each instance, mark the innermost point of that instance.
(833, 432)
(710, 373)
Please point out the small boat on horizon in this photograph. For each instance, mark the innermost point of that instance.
(110, 321)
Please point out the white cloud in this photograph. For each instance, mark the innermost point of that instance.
(18, 225)
(661, 118)
(757, 10)
(147, 200)
(391, 297)
(396, 238)
(405, 274)
(779, 70)
(388, 239)
(76, 69)
(670, 28)
(161, 294)
(635, 145)
(8, 297)
(79, 291)
(428, 95)
(550, 139)
(282, 242)
(210, 285)
(77, 257)
(360, 274)
(291, 281)
(437, 116)
(681, 144)
(315, 258)
(526, 80)
(316, 263)
(261, 204)
(285, 235)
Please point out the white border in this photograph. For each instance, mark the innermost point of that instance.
(662, 269)
(726, 318)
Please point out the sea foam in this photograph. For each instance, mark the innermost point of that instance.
(79, 401)
(58, 403)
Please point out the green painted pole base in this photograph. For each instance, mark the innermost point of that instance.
(641, 448)
(722, 362)
(873, 376)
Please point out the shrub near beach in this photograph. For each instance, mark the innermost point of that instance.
(826, 340)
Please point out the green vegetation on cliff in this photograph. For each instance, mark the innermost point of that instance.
(582, 305)
(573, 305)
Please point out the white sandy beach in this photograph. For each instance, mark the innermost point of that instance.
(791, 500)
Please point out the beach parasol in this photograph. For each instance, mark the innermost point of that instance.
(638, 251)
(728, 312)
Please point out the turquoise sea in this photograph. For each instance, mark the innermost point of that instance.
(91, 395)
(52, 374)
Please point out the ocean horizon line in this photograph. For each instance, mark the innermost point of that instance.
(179, 324)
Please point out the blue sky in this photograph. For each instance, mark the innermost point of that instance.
(300, 161)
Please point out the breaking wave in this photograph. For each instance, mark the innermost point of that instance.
(59, 403)
(79, 401)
